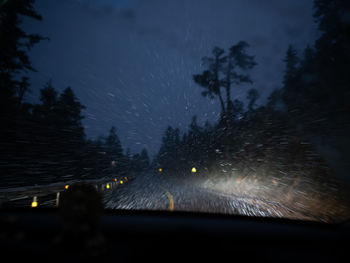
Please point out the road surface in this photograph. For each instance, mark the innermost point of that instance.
(251, 196)
(161, 192)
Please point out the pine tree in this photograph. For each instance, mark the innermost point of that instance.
(210, 79)
(17, 136)
(114, 148)
(291, 60)
(332, 53)
(224, 71)
(168, 154)
(14, 59)
(144, 159)
(238, 63)
(292, 88)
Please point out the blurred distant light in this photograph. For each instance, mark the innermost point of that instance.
(113, 163)
(115, 180)
(194, 170)
(35, 202)
(160, 169)
(66, 186)
(108, 186)
(121, 182)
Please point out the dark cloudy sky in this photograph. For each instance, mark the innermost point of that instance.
(130, 62)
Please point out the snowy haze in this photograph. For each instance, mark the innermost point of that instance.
(131, 62)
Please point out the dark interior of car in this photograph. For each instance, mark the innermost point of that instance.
(135, 236)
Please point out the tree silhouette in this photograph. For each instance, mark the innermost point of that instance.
(332, 57)
(140, 161)
(275, 100)
(48, 97)
(223, 71)
(291, 60)
(238, 62)
(315, 87)
(114, 148)
(15, 114)
(210, 79)
(46, 111)
(291, 79)
(194, 142)
(169, 150)
(14, 60)
(43, 142)
(144, 159)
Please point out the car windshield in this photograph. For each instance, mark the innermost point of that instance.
(225, 107)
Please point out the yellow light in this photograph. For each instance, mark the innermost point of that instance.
(194, 170)
(121, 182)
(34, 203)
(66, 186)
(107, 186)
(160, 169)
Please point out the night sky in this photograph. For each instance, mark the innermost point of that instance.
(130, 62)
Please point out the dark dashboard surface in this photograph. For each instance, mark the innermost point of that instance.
(134, 236)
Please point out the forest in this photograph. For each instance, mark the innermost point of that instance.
(293, 133)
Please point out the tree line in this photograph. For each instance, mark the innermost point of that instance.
(45, 142)
(303, 123)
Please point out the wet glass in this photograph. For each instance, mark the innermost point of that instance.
(229, 107)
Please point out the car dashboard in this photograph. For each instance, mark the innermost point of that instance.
(133, 236)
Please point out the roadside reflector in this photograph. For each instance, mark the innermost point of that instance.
(35, 202)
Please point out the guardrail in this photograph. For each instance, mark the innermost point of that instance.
(49, 195)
